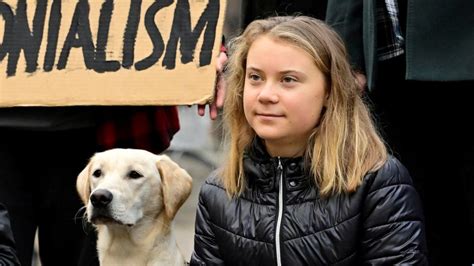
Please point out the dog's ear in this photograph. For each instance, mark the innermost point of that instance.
(83, 183)
(176, 184)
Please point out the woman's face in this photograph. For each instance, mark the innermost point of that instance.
(284, 94)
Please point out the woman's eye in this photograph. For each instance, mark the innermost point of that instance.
(254, 77)
(97, 173)
(288, 79)
(134, 174)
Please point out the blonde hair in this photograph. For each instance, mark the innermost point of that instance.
(345, 145)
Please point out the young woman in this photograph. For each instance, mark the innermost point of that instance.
(308, 180)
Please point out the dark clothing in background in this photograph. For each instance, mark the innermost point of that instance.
(427, 126)
(48, 118)
(262, 9)
(38, 184)
(361, 228)
(422, 103)
(439, 37)
(7, 244)
(139, 127)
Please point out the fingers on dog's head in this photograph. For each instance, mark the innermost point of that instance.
(176, 184)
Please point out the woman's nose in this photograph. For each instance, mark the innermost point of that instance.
(268, 93)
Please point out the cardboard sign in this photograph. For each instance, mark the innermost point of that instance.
(106, 52)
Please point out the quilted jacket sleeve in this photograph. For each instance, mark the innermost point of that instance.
(206, 251)
(7, 251)
(394, 230)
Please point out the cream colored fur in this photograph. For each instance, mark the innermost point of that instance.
(137, 228)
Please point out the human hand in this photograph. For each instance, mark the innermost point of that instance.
(220, 88)
(361, 81)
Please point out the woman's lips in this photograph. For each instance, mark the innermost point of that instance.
(265, 115)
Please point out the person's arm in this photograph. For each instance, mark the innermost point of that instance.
(7, 244)
(393, 228)
(206, 250)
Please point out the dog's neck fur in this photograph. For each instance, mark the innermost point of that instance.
(143, 244)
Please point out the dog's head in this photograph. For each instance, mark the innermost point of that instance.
(122, 186)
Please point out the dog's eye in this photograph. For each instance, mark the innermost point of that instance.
(97, 173)
(134, 174)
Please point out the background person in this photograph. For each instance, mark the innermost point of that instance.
(418, 59)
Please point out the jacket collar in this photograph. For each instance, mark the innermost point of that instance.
(261, 169)
(258, 152)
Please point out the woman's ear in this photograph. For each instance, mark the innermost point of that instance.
(326, 99)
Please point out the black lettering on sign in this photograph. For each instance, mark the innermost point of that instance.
(24, 39)
(20, 37)
(53, 32)
(7, 15)
(80, 27)
(130, 35)
(188, 38)
(155, 35)
(101, 64)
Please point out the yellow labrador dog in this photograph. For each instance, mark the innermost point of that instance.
(131, 197)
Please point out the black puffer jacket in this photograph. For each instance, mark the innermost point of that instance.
(7, 244)
(380, 224)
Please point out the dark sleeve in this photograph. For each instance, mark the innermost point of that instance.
(7, 244)
(346, 17)
(394, 230)
(206, 250)
(142, 127)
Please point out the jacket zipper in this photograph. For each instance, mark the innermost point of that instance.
(280, 213)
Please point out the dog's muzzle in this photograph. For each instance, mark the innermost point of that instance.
(101, 200)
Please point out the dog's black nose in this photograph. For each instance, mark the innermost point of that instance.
(101, 198)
